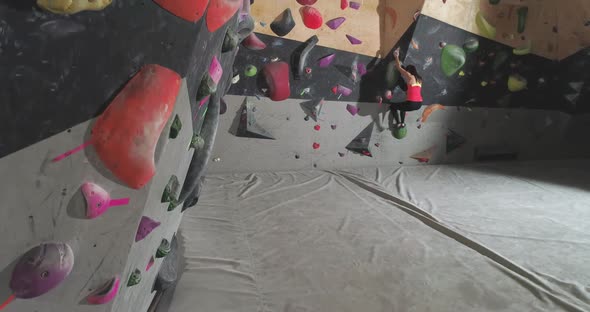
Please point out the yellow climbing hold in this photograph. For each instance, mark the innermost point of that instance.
(516, 83)
(461, 73)
(484, 83)
(523, 50)
(73, 6)
(486, 29)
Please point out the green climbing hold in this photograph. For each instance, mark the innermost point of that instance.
(516, 83)
(230, 41)
(400, 133)
(206, 88)
(163, 249)
(196, 142)
(250, 71)
(471, 45)
(391, 75)
(173, 204)
(522, 16)
(134, 278)
(499, 60)
(175, 127)
(170, 190)
(523, 50)
(484, 26)
(453, 58)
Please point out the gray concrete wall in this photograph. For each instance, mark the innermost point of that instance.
(38, 199)
(523, 129)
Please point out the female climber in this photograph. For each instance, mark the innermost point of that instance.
(413, 88)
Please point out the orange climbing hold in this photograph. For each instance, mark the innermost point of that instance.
(428, 110)
(188, 10)
(126, 134)
(312, 18)
(220, 11)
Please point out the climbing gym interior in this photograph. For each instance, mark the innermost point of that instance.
(294, 155)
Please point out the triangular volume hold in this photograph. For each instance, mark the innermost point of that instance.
(362, 142)
(454, 141)
(424, 156)
(188, 10)
(313, 108)
(248, 127)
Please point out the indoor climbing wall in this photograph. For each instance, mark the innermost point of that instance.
(103, 119)
(378, 24)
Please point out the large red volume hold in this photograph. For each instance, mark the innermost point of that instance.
(126, 134)
(189, 10)
(220, 11)
(276, 75)
(312, 18)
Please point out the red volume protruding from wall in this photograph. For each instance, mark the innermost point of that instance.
(276, 75)
(126, 134)
(312, 18)
(188, 10)
(220, 11)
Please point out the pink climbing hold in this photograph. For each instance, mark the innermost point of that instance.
(254, 43)
(106, 293)
(343, 4)
(336, 22)
(355, 5)
(276, 75)
(353, 40)
(215, 72)
(307, 2)
(339, 89)
(317, 127)
(353, 110)
(362, 69)
(388, 94)
(326, 60)
(98, 201)
(316, 145)
(312, 18)
(150, 263)
(146, 226)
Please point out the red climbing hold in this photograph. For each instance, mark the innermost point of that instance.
(276, 75)
(189, 10)
(316, 145)
(312, 18)
(343, 4)
(220, 11)
(252, 42)
(126, 134)
(307, 2)
(317, 127)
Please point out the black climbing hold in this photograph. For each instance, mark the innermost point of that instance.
(168, 273)
(222, 107)
(175, 127)
(296, 156)
(206, 88)
(454, 141)
(306, 118)
(312, 108)
(248, 127)
(245, 28)
(300, 56)
(230, 42)
(283, 24)
(361, 144)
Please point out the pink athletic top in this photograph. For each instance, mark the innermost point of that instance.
(414, 94)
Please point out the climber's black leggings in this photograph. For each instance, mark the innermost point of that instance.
(399, 110)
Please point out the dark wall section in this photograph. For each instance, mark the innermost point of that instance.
(58, 71)
(321, 80)
(574, 82)
(482, 81)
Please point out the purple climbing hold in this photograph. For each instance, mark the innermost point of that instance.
(41, 269)
(353, 40)
(339, 89)
(336, 22)
(353, 110)
(333, 127)
(326, 60)
(362, 69)
(146, 226)
(354, 5)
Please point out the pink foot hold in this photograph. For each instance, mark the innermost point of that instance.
(307, 2)
(146, 226)
(326, 60)
(252, 42)
(98, 201)
(106, 293)
(343, 4)
(353, 110)
(316, 146)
